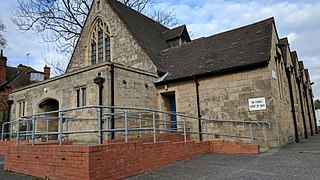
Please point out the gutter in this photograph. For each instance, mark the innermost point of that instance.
(215, 73)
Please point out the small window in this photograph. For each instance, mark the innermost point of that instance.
(100, 46)
(107, 42)
(21, 108)
(84, 96)
(78, 97)
(93, 53)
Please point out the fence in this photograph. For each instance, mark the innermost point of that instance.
(126, 122)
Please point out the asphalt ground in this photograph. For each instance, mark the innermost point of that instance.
(299, 161)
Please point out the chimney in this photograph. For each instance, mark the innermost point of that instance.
(46, 71)
(22, 67)
(3, 68)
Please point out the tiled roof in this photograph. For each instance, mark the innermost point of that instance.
(176, 33)
(146, 31)
(16, 78)
(22, 78)
(232, 50)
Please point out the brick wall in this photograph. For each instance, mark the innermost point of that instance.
(110, 161)
(175, 137)
(4, 145)
(224, 147)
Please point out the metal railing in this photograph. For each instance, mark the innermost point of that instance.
(127, 120)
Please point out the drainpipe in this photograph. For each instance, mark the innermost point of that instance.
(9, 102)
(198, 107)
(302, 109)
(309, 114)
(296, 135)
(112, 99)
(314, 113)
(99, 81)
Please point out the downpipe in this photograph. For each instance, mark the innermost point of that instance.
(296, 135)
(198, 107)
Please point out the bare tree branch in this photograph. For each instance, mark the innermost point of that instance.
(3, 40)
(61, 21)
(165, 18)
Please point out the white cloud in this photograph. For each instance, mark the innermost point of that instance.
(297, 20)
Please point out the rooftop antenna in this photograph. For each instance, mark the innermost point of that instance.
(28, 58)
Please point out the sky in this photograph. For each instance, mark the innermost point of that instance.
(299, 20)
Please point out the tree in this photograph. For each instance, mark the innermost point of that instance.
(3, 40)
(61, 21)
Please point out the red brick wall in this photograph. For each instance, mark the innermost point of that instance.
(55, 162)
(175, 137)
(4, 145)
(121, 160)
(219, 146)
(110, 161)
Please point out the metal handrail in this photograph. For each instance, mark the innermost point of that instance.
(126, 115)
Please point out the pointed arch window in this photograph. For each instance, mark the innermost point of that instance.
(100, 43)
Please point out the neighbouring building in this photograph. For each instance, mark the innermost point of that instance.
(145, 64)
(12, 78)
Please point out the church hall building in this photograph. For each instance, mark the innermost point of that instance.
(247, 73)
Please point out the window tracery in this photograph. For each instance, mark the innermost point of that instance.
(100, 43)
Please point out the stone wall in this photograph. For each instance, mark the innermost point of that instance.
(137, 91)
(283, 127)
(226, 97)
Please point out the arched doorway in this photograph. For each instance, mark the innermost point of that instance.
(49, 121)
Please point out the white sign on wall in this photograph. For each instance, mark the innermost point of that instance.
(257, 104)
(274, 74)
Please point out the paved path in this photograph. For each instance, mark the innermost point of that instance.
(296, 161)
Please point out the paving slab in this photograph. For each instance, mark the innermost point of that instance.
(296, 161)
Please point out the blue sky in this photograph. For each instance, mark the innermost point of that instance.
(297, 20)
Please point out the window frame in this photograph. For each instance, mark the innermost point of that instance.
(84, 96)
(100, 43)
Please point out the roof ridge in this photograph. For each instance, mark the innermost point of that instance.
(242, 27)
(218, 34)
